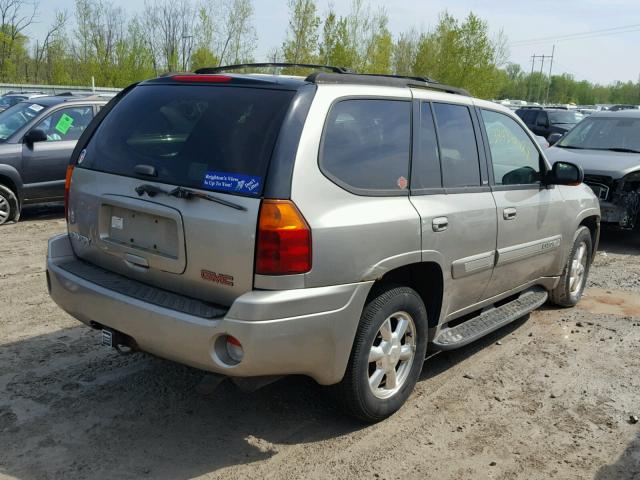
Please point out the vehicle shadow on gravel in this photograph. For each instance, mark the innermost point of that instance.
(619, 242)
(626, 467)
(71, 409)
(47, 211)
(440, 362)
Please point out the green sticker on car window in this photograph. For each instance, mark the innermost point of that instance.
(64, 124)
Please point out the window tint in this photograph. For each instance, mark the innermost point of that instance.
(514, 156)
(542, 119)
(366, 144)
(531, 116)
(568, 117)
(426, 164)
(66, 124)
(458, 149)
(215, 138)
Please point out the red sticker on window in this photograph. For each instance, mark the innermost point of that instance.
(402, 183)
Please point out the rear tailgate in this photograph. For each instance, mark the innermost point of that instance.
(213, 141)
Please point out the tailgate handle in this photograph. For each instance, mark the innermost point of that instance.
(135, 261)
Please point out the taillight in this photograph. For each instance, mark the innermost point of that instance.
(284, 239)
(67, 186)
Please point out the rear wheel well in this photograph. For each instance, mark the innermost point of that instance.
(592, 224)
(425, 278)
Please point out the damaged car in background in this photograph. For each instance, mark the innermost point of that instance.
(607, 146)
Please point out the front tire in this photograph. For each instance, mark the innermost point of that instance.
(9, 206)
(572, 282)
(387, 355)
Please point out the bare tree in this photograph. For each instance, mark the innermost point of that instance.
(41, 50)
(15, 17)
(169, 28)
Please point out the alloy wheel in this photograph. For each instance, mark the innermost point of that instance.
(391, 355)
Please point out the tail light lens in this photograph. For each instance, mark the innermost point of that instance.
(284, 239)
(67, 186)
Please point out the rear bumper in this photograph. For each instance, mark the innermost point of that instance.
(303, 331)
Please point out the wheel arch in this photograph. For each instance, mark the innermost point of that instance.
(592, 222)
(425, 278)
(10, 178)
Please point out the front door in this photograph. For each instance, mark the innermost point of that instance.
(529, 214)
(45, 163)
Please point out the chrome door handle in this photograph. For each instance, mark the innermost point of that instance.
(509, 213)
(440, 224)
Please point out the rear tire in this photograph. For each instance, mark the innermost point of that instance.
(387, 355)
(572, 282)
(9, 206)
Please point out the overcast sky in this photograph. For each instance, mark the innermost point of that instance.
(599, 57)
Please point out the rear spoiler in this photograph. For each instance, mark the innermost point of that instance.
(95, 123)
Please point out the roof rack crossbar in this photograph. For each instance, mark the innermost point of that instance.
(226, 68)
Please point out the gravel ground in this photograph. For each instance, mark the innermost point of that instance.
(548, 396)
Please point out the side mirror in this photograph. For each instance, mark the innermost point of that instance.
(565, 173)
(35, 135)
(554, 138)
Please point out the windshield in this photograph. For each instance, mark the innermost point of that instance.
(565, 117)
(6, 102)
(601, 133)
(213, 138)
(16, 117)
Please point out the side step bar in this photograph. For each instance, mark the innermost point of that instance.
(490, 320)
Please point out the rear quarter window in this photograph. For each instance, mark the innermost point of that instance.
(215, 138)
(366, 144)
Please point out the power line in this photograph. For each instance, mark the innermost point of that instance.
(580, 35)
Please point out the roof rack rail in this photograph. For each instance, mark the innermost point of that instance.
(226, 68)
(385, 80)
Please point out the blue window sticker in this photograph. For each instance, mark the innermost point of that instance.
(232, 182)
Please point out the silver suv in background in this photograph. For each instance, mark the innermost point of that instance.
(336, 226)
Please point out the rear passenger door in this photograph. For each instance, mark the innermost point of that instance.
(529, 213)
(450, 190)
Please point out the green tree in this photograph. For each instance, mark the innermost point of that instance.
(302, 35)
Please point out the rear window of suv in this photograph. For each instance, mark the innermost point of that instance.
(366, 146)
(213, 138)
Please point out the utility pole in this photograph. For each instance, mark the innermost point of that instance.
(540, 80)
(553, 52)
(533, 62)
(539, 84)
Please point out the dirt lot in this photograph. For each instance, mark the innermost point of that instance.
(547, 397)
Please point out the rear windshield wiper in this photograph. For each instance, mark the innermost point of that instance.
(186, 193)
(573, 147)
